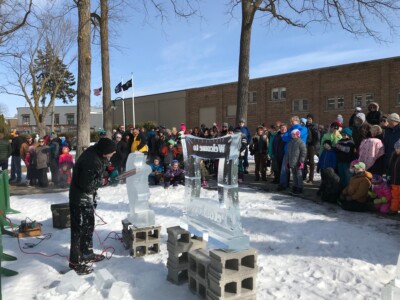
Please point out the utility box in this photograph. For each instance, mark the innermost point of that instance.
(61, 215)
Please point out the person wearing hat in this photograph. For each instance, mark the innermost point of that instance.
(246, 131)
(169, 153)
(354, 197)
(297, 151)
(120, 157)
(259, 148)
(360, 129)
(87, 177)
(16, 142)
(374, 114)
(333, 135)
(139, 143)
(392, 135)
(351, 120)
(174, 175)
(345, 154)
(371, 151)
(394, 177)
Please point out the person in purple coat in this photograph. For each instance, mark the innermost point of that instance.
(174, 175)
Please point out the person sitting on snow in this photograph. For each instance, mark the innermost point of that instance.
(156, 172)
(174, 175)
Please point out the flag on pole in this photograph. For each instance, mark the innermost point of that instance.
(127, 85)
(118, 88)
(97, 92)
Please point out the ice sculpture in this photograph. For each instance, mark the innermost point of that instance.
(138, 191)
(391, 291)
(219, 219)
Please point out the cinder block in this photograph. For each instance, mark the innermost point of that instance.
(199, 262)
(194, 243)
(229, 262)
(141, 241)
(229, 288)
(177, 234)
(177, 277)
(197, 287)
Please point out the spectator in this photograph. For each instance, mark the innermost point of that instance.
(374, 114)
(296, 157)
(360, 129)
(394, 176)
(259, 148)
(174, 175)
(392, 135)
(24, 152)
(330, 187)
(356, 111)
(120, 130)
(242, 151)
(245, 130)
(278, 152)
(355, 196)
(5, 152)
(371, 152)
(333, 135)
(54, 146)
(16, 143)
(41, 162)
(157, 171)
(313, 138)
(345, 154)
(138, 142)
(120, 157)
(169, 153)
(65, 163)
(327, 158)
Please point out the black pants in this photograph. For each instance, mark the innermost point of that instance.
(42, 177)
(54, 171)
(82, 227)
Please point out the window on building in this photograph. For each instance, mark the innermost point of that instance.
(231, 110)
(57, 119)
(362, 100)
(253, 97)
(26, 120)
(334, 103)
(278, 93)
(300, 105)
(70, 119)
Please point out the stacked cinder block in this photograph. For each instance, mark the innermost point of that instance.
(199, 261)
(180, 242)
(141, 240)
(232, 274)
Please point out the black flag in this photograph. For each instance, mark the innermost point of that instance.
(118, 88)
(127, 85)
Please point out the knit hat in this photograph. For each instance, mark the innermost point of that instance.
(171, 142)
(303, 120)
(347, 131)
(296, 132)
(361, 116)
(106, 146)
(231, 128)
(359, 166)
(397, 145)
(393, 117)
(242, 120)
(225, 125)
(329, 142)
(174, 162)
(359, 109)
(182, 127)
(339, 118)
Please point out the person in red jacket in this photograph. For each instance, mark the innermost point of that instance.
(65, 163)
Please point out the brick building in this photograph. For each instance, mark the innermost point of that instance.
(324, 92)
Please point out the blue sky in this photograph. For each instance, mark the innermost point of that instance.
(180, 54)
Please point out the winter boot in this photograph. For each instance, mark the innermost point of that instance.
(204, 184)
(81, 269)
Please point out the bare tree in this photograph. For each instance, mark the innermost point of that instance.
(51, 40)
(13, 16)
(84, 74)
(358, 17)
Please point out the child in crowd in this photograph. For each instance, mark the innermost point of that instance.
(174, 175)
(169, 153)
(156, 172)
(355, 196)
(345, 154)
(327, 158)
(65, 163)
(394, 177)
(297, 152)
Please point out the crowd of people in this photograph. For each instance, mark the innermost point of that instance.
(354, 157)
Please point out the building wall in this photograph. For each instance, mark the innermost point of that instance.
(381, 78)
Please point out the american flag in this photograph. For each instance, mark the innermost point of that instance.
(97, 92)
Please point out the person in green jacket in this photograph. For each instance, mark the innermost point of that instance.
(333, 135)
(5, 152)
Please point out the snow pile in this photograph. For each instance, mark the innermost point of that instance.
(306, 250)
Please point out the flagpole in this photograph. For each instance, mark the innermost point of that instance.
(133, 102)
(123, 103)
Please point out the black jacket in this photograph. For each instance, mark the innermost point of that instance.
(16, 146)
(87, 177)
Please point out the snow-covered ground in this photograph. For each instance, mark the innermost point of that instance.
(306, 250)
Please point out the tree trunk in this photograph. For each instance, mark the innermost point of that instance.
(248, 11)
(84, 73)
(105, 69)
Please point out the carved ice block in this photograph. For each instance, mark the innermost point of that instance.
(138, 191)
(220, 219)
